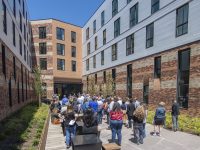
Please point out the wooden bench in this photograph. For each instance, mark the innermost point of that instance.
(111, 146)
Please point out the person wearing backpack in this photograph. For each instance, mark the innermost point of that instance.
(138, 117)
(130, 111)
(159, 117)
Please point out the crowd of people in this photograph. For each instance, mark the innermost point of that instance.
(118, 112)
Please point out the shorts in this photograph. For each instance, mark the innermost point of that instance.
(158, 121)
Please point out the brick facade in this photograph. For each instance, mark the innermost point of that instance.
(165, 88)
(16, 101)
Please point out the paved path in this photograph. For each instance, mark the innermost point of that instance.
(167, 141)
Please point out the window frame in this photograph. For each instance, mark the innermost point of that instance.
(60, 62)
(42, 32)
(133, 15)
(130, 48)
(60, 33)
(114, 52)
(157, 67)
(150, 39)
(155, 6)
(117, 28)
(43, 48)
(44, 65)
(114, 7)
(59, 45)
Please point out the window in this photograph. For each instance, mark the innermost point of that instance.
(102, 18)
(14, 68)
(60, 64)
(19, 1)
(73, 65)
(13, 28)
(88, 48)
(43, 63)
(87, 64)
(22, 78)
(117, 28)
(3, 60)
(96, 43)
(104, 37)
(146, 93)
(25, 52)
(73, 51)
(20, 20)
(73, 37)
(155, 4)
(104, 76)
(114, 79)
(94, 61)
(95, 78)
(10, 92)
(4, 18)
(134, 15)
(114, 7)
(14, 8)
(18, 93)
(102, 57)
(130, 45)
(128, 1)
(20, 45)
(182, 20)
(157, 67)
(42, 32)
(60, 49)
(183, 77)
(149, 35)
(94, 27)
(129, 80)
(114, 52)
(43, 48)
(60, 33)
(87, 33)
(24, 32)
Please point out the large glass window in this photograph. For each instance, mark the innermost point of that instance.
(149, 35)
(60, 34)
(88, 48)
(102, 57)
(61, 64)
(96, 43)
(155, 5)
(130, 44)
(42, 32)
(73, 65)
(104, 37)
(117, 28)
(94, 27)
(114, 7)
(114, 52)
(134, 15)
(182, 20)
(20, 20)
(13, 28)
(73, 48)
(20, 45)
(43, 63)
(102, 18)
(87, 33)
(73, 37)
(87, 64)
(4, 17)
(94, 61)
(157, 67)
(129, 80)
(43, 48)
(183, 77)
(60, 49)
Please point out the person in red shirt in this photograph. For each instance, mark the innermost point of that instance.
(116, 122)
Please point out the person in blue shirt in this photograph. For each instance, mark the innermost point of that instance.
(94, 105)
(65, 100)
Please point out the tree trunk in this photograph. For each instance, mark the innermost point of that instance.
(39, 100)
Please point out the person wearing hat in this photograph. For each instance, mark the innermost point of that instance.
(159, 118)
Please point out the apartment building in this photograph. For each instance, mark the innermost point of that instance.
(151, 48)
(15, 57)
(58, 52)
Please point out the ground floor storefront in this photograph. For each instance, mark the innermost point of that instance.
(166, 76)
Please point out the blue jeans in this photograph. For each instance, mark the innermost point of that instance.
(144, 130)
(70, 133)
(139, 133)
(100, 115)
(116, 128)
(130, 119)
(175, 122)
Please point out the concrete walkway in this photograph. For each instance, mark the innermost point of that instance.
(167, 141)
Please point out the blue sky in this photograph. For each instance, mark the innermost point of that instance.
(72, 11)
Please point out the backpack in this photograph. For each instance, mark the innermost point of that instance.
(139, 113)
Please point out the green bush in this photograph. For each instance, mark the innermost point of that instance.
(186, 123)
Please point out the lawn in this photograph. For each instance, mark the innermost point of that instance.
(23, 129)
(186, 123)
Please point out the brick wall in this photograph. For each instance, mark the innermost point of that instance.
(165, 88)
(17, 102)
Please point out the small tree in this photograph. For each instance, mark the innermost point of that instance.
(38, 83)
(92, 87)
(108, 88)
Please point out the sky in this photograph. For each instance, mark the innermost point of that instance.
(72, 11)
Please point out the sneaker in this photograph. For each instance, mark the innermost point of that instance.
(68, 146)
(154, 134)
